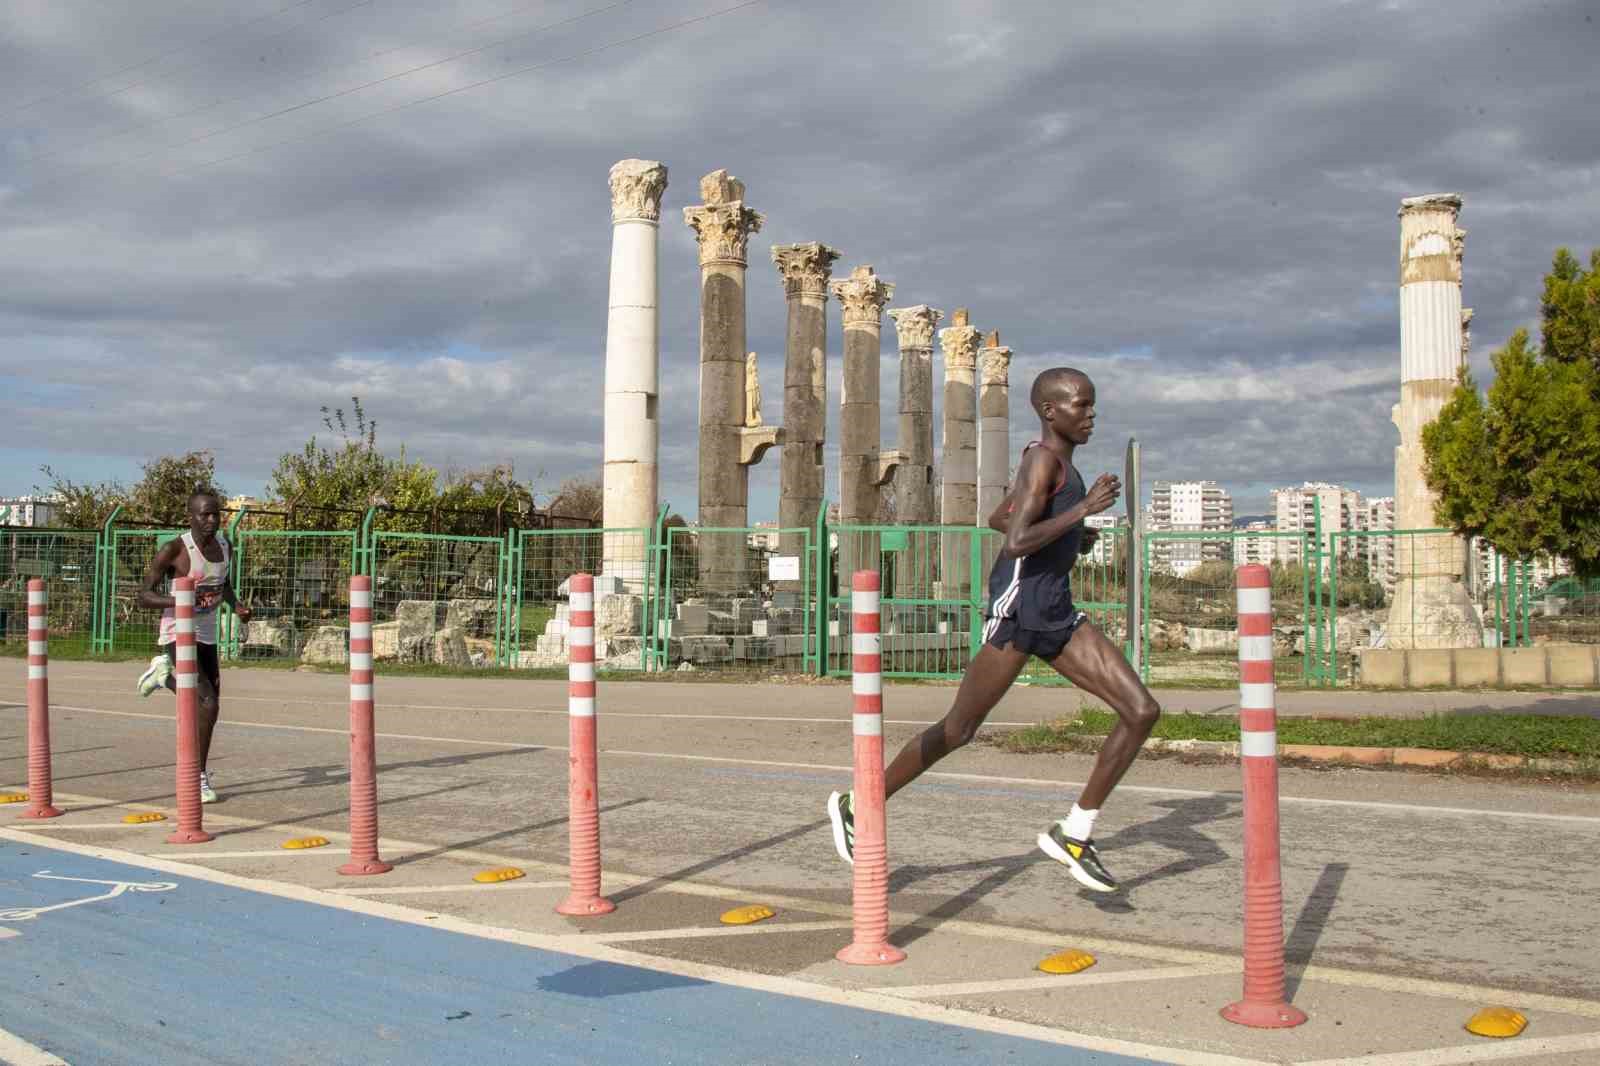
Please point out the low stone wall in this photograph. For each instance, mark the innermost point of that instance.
(1541, 666)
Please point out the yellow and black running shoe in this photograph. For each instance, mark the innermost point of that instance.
(1079, 857)
(843, 816)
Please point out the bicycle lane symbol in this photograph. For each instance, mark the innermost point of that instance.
(114, 889)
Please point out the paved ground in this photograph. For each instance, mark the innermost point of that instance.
(1410, 899)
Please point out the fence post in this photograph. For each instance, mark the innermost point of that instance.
(186, 674)
(824, 611)
(1263, 1005)
(40, 794)
(363, 749)
(583, 771)
(870, 946)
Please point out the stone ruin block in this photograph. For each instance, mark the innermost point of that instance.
(757, 649)
(619, 616)
(386, 640)
(694, 619)
(767, 627)
(723, 623)
(706, 649)
(268, 638)
(328, 645)
(449, 647)
(475, 617)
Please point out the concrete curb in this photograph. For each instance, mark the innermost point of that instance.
(1347, 755)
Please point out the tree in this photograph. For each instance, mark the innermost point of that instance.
(337, 484)
(580, 499)
(1519, 465)
(81, 506)
(162, 495)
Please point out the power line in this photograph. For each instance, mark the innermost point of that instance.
(153, 59)
(320, 70)
(464, 88)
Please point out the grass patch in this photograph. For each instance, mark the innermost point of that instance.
(1498, 734)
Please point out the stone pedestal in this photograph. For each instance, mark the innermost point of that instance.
(1431, 607)
(632, 381)
(958, 494)
(805, 270)
(861, 298)
(722, 225)
(994, 425)
(913, 479)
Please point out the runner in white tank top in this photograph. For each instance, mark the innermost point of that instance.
(203, 554)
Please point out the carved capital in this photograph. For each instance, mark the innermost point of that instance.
(1466, 331)
(636, 188)
(960, 344)
(723, 231)
(804, 268)
(914, 325)
(862, 296)
(1438, 201)
(995, 365)
(755, 440)
(888, 463)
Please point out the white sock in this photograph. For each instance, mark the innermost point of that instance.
(1079, 825)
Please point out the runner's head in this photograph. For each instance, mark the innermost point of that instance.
(1064, 400)
(205, 514)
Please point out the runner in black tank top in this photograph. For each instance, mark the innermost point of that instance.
(1030, 612)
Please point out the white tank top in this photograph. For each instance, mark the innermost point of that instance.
(207, 575)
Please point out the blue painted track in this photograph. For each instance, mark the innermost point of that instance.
(209, 975)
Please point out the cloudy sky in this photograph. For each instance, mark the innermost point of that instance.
(216, 218)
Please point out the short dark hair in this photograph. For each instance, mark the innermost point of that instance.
(203, 492)
(1049, 379)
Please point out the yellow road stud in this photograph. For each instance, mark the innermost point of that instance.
(756, 912)
(141, 817)
(503, 873)
(1497, 1021)
(14, 797)
(1069, 961)
(306, 842)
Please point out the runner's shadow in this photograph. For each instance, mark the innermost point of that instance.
(532, 827)
(1004, 869)
(1176, 831)
(665, 880)
(1302, 941)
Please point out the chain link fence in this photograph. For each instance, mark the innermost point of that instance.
(65, 560)
(436, 598)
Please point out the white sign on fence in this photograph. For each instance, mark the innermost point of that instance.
(783, 568)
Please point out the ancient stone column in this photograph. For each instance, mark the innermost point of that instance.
(958, 494)
(722, 225)
(632, 384)
(861, 298)
(805, 269)
(994, 425)
(913, 482)
(1431, 607)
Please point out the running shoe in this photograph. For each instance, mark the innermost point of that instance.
(843, 816)
(1079, 857)
(207, 793)
(156, 675)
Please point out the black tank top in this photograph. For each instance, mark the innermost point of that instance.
(1036, 589)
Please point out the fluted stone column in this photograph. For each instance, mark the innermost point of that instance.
(958, 494)
(1431, 606)
(632, 384)
(913, 482)
(861, 298)
(994, 424)
(722, 225)
(805, 270)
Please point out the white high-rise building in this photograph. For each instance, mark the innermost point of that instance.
(28, 510)
(1190, 506)
(1101, 553)
(1380, 550)
(1256, 546)
(1295, 511)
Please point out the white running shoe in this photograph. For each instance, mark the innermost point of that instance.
(156, 676)
(207, 793)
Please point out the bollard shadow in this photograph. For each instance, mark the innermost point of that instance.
(1176, 830)
(1004, 869)
(532, 827)
(296, 818)
(683, 874)
(57, 752)
(1302, 940)
(338, 773)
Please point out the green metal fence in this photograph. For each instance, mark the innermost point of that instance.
(437, 597)
(65, 560)
(538, 566)
(126, 557)
(932, 581)
(296, 582)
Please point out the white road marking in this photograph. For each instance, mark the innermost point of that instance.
(18, 1052)
(52, 825)
(695, 932)
(1074, 980)
(586, 947)
(465, 886)
(1497, 1051)
(199, 853)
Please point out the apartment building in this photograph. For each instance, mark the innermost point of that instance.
(1295, 511)
(1189, 506)
(1380, 550)
(27, 510)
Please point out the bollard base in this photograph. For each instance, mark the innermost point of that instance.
(190, 836)
(1264, 1015)
(365, 868)
(585, 906)
(44, 811)
(884, 954)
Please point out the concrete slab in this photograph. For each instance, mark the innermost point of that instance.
(1381, 668)
(1429, 667)
(1524, 667)
(1477, 667)
(1572, 665)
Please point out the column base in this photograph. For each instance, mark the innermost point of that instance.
(884, 954)
(43, 811)
(585, 906)
(1264, 1015)
(365, 868)
(190, 836)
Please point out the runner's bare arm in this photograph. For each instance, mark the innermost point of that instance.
(1029, 530)
(1001, 518)
(165, 561)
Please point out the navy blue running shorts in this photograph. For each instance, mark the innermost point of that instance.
(1045, 643)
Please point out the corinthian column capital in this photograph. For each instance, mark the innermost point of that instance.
(636, 188)
(804, 268)
(914, 325)
(861, 297)
(995, 361)
(722, 224)
(960, 344)
(1431, 243)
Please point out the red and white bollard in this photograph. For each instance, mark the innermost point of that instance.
(363, 747)
(1263, 1005)
(186, 672)
(870, 946)
(40, 795)
(583, 767)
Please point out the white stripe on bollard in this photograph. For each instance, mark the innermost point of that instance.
(581, 601)
(36, 673)
(866, 643)
(868, 725)
(580, 706)
(186, 653)
(582, 636)
(35, 598)
(1257, 696)
(361, 692)
(360, 630)
(186, 680)
(1264, 742)
(866, 684)
(580, 671)
(38, 647)
(1255, 601)
(1255, 649)
(361, 660)
(863, 602)
(361, 598)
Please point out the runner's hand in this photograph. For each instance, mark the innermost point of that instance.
(242, 613)
(1102, 494)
